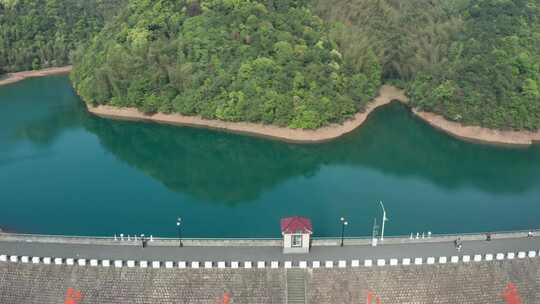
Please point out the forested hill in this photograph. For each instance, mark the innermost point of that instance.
(492, 74)
(473, 61)
(295, 63)
(37, 34)
(259, 61)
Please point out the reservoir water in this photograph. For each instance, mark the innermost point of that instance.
(63, 171)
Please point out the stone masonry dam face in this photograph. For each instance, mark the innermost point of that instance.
(487, 282)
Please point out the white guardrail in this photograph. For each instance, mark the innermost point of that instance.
(135, 240)
(414, 261)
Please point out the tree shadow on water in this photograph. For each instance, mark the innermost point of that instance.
(228, 168)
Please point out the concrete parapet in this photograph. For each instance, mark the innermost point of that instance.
(12, 237)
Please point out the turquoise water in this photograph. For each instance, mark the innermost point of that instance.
(63, 171)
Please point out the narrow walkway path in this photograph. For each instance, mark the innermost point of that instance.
(265, 253)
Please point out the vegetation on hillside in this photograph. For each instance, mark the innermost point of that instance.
(473, 61)
(295, 63)
(37, 34)
(236, 60)
(492, 75)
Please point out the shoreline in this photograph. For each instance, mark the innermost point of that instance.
(387, 94)
(478, 134)
(19, 76)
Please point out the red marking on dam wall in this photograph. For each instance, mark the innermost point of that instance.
(511, 294)
(73, 297)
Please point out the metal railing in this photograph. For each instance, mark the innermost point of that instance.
(316, 241)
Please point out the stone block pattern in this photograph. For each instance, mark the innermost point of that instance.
(474, 283)
(43, 284)
(478, 283)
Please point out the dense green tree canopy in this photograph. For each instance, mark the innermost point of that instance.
(296, 63)
(236, 60)
(492, 77)
(38, 34)
(473, 61)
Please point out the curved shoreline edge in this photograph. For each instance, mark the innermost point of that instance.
(333, 131)
(18, 76)
(387, 94)
(478, 134)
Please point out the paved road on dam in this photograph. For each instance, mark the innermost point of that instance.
(131, 251)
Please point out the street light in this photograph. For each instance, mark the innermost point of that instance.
(343, 224)
(178, 225)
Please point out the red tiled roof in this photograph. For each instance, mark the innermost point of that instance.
(296, 224)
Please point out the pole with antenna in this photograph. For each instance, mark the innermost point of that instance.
(384, 219)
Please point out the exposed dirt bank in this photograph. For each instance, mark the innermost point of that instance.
(387, 94)
(18, 76)
(479, 134)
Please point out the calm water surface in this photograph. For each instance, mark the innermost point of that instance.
(63, 171)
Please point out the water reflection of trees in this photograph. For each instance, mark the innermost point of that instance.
(231, 168)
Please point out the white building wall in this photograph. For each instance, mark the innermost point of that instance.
(287, 244)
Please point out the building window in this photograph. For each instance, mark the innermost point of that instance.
(296, 240)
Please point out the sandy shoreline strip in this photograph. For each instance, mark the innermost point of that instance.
(18, 76)
(479, 134)
(387, 94)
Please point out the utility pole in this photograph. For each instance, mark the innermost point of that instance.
(384, 219)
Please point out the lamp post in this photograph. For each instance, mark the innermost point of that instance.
(343, 224)
(178, 225)
(384, 219)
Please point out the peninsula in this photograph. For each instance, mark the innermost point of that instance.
(238, 67)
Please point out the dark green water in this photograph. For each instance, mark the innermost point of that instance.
(63, 171)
